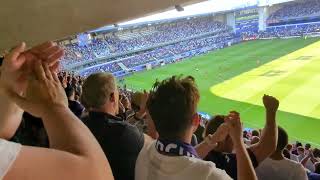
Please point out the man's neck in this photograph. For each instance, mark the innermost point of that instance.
(105, 110)
(277, 156)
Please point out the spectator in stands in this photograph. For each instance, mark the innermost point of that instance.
(301, 154)
(309, 160)
(74, 152)
(277, 166)
(317, 167)
(293, 157)
(295, 149)
(255, 133)
(120, 141)
(307, 147)
(222, 155)
(74, 106)
(172, 105)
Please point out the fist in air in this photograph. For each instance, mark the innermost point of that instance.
(270, 103)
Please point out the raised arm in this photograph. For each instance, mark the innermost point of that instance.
(245, 170)
(75, 153)
(14, 71)
(268, 139)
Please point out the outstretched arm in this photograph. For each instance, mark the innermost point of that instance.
(268, 139)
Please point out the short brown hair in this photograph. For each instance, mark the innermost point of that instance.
(97, 89)
(172, 104)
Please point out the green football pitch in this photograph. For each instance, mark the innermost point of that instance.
(235, 78)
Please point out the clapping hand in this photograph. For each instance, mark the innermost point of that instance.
(43, 94)
(17, 65)
(235, 127)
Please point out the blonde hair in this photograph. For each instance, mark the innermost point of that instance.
(97, 89)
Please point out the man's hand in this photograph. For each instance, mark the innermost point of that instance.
(270, 103)
(143, 102)
(221, 133)
(44, 92)
(235, 127)
(18, 63)
(143, 105)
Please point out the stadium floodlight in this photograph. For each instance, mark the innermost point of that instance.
(179, 8)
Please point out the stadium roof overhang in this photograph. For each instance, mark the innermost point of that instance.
(34, 21)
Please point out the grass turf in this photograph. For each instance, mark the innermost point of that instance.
(235, 78)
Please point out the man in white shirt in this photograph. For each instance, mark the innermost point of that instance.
(278, 167)
(172, 105)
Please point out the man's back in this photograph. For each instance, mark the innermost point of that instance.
(151, 165)
(281, 170)
(120, 141)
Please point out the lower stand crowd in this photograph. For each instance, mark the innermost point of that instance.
(91, 129)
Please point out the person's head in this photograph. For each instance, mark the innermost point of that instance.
(316, 153)
(282, 140)
(70, 92)
(245, 134)
(307, 146)
(100, 93)
(300, 150)
(212, 126)
(298, 144)
(255, 140)
(255, 133)
(289, 147)
(317, 167)
(172, 104)
(286, 153)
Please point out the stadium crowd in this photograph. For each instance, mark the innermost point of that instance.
(170, 51)
(290, 30)
(91, 129)
(307, 8)
(161, 33)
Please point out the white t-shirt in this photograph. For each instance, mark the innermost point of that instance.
(151, 165)
(8, 154)
(285, 169)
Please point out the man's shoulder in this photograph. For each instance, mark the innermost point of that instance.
(210, 170)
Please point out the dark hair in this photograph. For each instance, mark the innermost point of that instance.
(286, 153)
(1, 60)
(245, 133)
(307, 145)
(316, 152)
(317, 167)
(172, 104)
(255, 133)
(214, 124)
(69, 91)
(282, 139)
(298, 144)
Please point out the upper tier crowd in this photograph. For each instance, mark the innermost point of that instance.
(122, 42)
(92, 129)
(115, 43)
(171, 52)
(297, 9)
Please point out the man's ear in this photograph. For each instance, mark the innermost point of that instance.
(112, 98)
(196, 120)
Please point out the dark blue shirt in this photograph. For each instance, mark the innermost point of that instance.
(120, 141)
